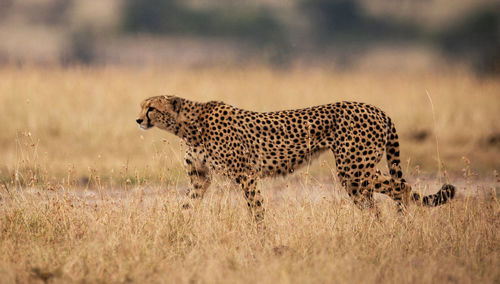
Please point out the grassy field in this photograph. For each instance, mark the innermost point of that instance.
(313, 235)
(85, 196)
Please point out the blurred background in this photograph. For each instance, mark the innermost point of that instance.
(366, 34)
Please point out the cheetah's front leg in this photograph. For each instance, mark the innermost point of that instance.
(199, 174)
(253, 197)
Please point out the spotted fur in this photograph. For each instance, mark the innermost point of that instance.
(246, 146)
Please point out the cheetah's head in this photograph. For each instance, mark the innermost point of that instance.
(161, 111)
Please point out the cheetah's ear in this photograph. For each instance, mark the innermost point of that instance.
(176, 104)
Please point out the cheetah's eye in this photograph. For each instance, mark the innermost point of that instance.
(150, 109)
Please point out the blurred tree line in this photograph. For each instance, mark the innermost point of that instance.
(336, 28)
(475, 38)
(258, 26)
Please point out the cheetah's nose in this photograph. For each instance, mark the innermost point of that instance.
(139, 120)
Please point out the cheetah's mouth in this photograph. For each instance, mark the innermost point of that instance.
(146, 126)
(148, 123)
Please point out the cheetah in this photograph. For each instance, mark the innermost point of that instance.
(246, 146)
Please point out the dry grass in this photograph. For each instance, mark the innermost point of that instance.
(312, 236)
(86, 197)
(82, 120)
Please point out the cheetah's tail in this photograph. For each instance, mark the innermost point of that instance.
(445, 194)
(447, 191)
